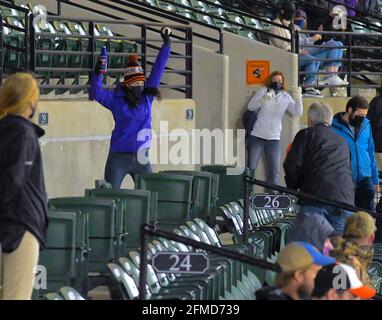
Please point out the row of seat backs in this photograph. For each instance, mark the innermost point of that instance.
(126, 274)
(87, 232)
(207, 195)
(64, 293)
(226, 16)
(177, 196)
(230, 187)
(14, 59)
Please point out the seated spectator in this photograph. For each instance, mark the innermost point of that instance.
(313, 229)
(328, 286)
(310, 54)
(319, 164)
(299, 263)
(284, 18)
(356, 246)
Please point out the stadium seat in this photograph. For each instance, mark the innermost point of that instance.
(138, 206)
(70, 294)
(177, 197)
(66, 255)
(105, 230)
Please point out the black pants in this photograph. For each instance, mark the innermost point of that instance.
(364, 194)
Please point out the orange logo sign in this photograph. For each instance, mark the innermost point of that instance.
(257, 72)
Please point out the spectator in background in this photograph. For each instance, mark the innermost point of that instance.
(328, 285)
(299, 263)
(335, 54)
(319, 164)
(284, 18)
(374, 115)
(23, 200)
(356, 129)
(313, 229)
(130, 103)
(271, 102)
(356, 246)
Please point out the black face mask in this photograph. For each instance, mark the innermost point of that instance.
(277, 86)
(33, 113)
(133, 95)
(356, 121)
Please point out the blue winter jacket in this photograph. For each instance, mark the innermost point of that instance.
(361, 148)
(130, 121)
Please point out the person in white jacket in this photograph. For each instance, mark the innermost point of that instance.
(271, 102)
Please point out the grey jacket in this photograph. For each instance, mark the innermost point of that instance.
(312, 228)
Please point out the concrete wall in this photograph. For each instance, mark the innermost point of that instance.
(219, 81)
(240, 93)
(76, 143)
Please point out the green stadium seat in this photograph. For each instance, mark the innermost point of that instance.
(105, 230)
(122, 285)
(69, 293)
(231, 187)
(154, 289)
(177, 196)
(65, 257)
(138, 207)
(194, 285)
(53, 296)
(208, 190)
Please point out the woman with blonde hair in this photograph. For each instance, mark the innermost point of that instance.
(270, 103)
(23, 200)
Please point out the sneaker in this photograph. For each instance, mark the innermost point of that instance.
(334, 81)
(311, 92)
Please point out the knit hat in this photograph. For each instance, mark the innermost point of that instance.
(359, 225)
(133, 71)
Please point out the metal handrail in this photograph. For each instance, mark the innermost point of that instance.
(148, 9)
(192, 9)
(350, 59)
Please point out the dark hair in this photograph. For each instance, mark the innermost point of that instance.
(357, 102)
(289, 9)
(147, 91)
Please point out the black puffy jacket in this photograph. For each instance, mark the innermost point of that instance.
(23, 199)
(319, 163)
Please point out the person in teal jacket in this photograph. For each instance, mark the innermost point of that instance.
(130, 103)
(355, 128)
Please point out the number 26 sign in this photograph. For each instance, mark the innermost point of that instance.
(270, 201)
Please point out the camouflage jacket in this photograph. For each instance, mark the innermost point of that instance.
(348, 252)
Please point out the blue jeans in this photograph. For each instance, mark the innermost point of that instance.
(328, 53)
(272, 151)
(312, 67)
(335, 216)
(119, 165)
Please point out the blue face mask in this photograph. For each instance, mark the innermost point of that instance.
(300, 23)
